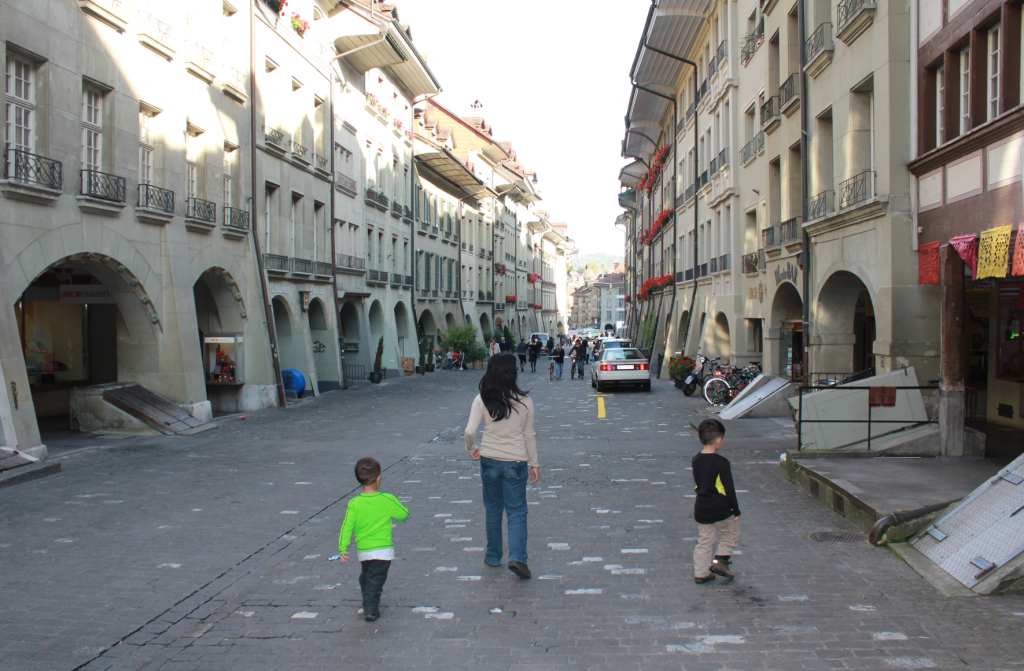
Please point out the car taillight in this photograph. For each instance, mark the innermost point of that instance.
(605, 366)
(642, 366)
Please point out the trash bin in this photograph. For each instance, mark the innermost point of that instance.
(294, 381)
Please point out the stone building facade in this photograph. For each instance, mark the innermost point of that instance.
(202, 197)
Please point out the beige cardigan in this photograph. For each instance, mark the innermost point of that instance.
(510, 439)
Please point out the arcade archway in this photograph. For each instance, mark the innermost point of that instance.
(845, 324)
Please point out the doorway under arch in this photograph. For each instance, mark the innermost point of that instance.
(82, 322)
(376, 325)
(721, 339)
(485, 328)
(402, 327)
(787, 316)
(324, 350)
(449, 320)
(845, 324)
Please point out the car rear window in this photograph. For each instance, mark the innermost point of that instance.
(621, 355)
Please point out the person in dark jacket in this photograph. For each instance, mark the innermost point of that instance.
(558, 354)
(534, 353)
(503, 346)
(715, 508)
(521, 349)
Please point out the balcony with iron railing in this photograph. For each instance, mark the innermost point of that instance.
(722, 52)
(396, 210)
(200, 210)
(407, 215)
(407, 282)
(713, 265)
(789, 92)
(857, 189)
(769, 237)
(690, 190)
(853, 18)
(275, 263)
(323, 268)
(382, 202)
(690, 111)
(714, 166)
(235, 220)
(750, 263)
(273, 136)
(30, 169)
(154, 198)
(712, 68)
(96, 184)
(349, 262)
(302, 266)
(723, 158)
(770, 116)
(321, 163)
(820, 205)
(703, 89)
(790, 231)
(703, 180)
(818, 50)
(749, 152)
(746, 50)
(199, 60)
(155, 34)
(299, 152)
(688, 275)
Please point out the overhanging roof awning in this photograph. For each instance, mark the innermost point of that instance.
(441, 163)
(630, 173)
(396, 54)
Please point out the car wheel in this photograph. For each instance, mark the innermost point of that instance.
(592, 383)
(646, 386)
(600, 386)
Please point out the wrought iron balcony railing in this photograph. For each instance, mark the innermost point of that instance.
(769, 237)
(819, 205)
(96, 184)
(789, 230)
(750, 263)
(273, 136)
(396, 210)
(760, 141)
(857, 188)
(320, 162)
(714, 166)
(236, 218)
(298, 150)
(154, 198)
(848, 9)
(371, 197)
(202, 210)
(816, 43)
(790, 90)
(769, 110)
(23, 166)
(323, 268)
(722, 51)
(723, 158)
(749, 152)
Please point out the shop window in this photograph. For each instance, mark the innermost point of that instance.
(1009, 338)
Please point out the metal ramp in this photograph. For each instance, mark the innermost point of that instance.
(981, 541)
(155, 410)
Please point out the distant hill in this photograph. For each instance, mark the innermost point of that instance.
(603, 261)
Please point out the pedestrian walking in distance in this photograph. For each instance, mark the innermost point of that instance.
(369, 516)
(534, 353)
(715, 509)
(521, 350)
(508, 459)
(558, 354)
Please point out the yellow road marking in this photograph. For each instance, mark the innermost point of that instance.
(600, 408)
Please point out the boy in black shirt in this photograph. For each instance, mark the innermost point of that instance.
(715, 509)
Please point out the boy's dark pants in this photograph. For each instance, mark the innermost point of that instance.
(371, 582)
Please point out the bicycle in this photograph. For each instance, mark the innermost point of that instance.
(727, 382)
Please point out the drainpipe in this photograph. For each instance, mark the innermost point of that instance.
(913, 121)
(268, 312)
(696, 219)
(804, 134)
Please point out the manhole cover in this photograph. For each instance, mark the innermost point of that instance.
(445, 439)
(836, 537)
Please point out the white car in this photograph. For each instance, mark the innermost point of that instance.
(625, 365)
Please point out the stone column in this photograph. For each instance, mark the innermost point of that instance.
(951, 371)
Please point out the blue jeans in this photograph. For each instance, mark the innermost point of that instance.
(504, 485)
(558, 370)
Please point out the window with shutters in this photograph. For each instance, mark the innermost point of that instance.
(940, 106)
(993, 71)
(21, 103)
(92, 129)
(965, 91)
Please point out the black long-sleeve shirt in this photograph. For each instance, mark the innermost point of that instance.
(716, 494)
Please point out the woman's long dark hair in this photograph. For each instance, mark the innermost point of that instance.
(498, 388)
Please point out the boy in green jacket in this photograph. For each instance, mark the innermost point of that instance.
(369, 516)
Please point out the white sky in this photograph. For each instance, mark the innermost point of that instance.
(554, 81)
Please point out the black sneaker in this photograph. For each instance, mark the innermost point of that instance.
(708, 578)
(520, 569)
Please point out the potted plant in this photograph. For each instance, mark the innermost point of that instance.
(428, 354)
(299, 25)
(378, 373)
(679, 369)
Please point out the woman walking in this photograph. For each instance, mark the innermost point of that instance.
(494, 348)
(507, 456)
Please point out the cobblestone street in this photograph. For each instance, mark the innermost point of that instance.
(211, 552)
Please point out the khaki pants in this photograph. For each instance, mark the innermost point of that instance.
(706, 535)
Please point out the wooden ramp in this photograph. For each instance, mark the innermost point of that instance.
(155, 410)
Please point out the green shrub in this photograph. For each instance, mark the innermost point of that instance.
(459, 338)
(380, 355)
